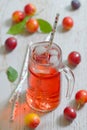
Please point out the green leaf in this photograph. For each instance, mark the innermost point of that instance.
(45, 26)
(12, 74)
(18, 28)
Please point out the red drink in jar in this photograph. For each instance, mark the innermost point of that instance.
(44, 80)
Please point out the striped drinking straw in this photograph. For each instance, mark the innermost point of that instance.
(54, 29)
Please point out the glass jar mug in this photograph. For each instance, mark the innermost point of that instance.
(44, 78)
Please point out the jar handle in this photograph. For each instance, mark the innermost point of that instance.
(70, 79)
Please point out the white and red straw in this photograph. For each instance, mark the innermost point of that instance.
(14, 99)
(54, 29)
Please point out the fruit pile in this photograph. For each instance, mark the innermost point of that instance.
(32, 25)
(24, 21)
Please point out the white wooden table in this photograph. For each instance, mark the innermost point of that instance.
(75, 39)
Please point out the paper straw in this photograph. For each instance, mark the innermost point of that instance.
(14, 108)
(22, 77)
(14, 99)
(18, 88)
(54, 29)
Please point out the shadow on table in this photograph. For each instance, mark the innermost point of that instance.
(67, 64)
(3, 50)
(20, 112)
(8, 22)
(69, 8)
(62, 122)
(18, 122)
(75, 105)
(60, 29)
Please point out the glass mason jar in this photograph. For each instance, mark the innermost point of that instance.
(44, 78)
